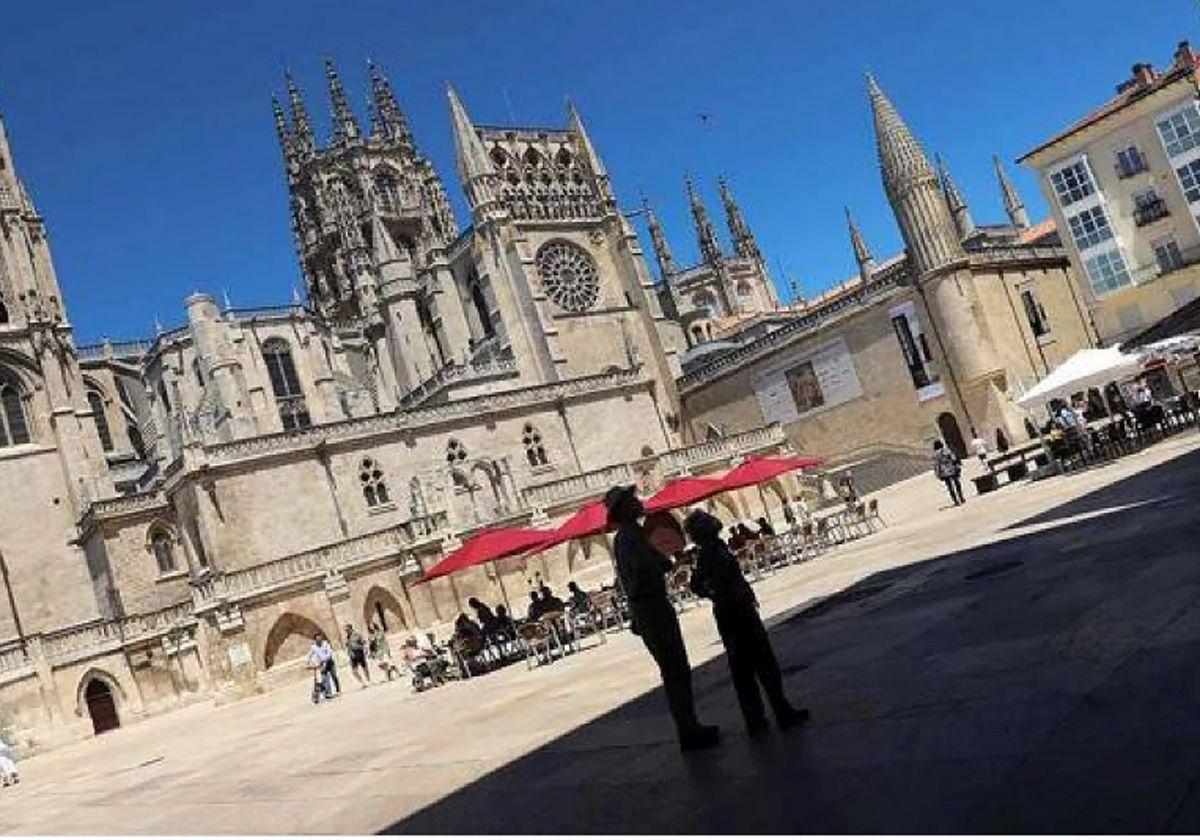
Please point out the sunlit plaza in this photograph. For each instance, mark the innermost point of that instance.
(1025, 663)
(599, 418)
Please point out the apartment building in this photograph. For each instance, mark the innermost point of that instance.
(1123, 184)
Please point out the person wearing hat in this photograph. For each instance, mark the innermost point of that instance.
(641, 569)
(718, 577)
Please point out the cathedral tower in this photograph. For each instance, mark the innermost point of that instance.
(372, 225)
(862, 254)
(938, 263)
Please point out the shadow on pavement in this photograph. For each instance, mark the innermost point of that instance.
(1048, 682)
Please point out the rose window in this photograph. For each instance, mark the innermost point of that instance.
(569, 276)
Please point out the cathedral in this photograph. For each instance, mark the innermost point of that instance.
(180, 514)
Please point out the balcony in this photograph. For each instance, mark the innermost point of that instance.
(1150, 211)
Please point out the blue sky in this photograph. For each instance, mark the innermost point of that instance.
(143, 129)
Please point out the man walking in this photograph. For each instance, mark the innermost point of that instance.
(948, 468)
(642, 570)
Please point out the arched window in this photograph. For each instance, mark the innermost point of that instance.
(163, 547)
(433, 337)
(100, 418)
(289, 396)
(481, 307)
(374, 486)
(535, 452)
(13, 427)
(387, 191)
(456, 453)
(3, 313)
(136, 440)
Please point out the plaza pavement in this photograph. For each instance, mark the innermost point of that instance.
(1028, 662)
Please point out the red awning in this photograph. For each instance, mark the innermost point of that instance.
(757, 470)
(589, 520)
(682, 492)
(487, 546)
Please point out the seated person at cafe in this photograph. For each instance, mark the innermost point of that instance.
(465, 628)
(504, 623)
(579, 601)
(484, 616)
(551, 602)
(764, 527)
(536, 608)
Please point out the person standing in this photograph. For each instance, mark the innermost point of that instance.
(320, 657)
(980, 448)
(718, 577)
(642, 570)
(948, 468)
(9, 774)
(381, 651)
(356, 646)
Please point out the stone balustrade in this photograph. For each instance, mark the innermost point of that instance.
(721, 449)
(415, 418)
(575, 487)
(13, 657)
(83, 640)
(453, 374)
(337, 556)
(130, 348)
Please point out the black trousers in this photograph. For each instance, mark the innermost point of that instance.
(658, 626)
(954, 485)
(331, 669)
(751, 661)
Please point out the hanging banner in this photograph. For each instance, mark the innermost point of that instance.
(810, 381)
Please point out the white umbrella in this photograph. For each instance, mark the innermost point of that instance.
(1089, 368)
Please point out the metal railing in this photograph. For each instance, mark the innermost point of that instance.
(1150, 211)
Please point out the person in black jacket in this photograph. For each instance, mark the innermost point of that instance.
(718, 577)
(641, 569)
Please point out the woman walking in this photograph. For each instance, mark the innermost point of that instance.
(718, 576)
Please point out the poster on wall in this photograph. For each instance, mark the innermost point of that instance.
(816, 379)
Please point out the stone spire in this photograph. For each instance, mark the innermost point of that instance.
(913, 190)
(387, 120)
(1012, 199)
(862, 254)
(710, 250)
(345, 126)
(302, 135)
(662, 249)
(955, 201)
(575, 122)
(475, 168)
(282, 132)
(744, 243)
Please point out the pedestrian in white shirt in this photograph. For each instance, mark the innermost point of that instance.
(9, 775)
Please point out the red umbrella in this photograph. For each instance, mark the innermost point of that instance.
(760, 469)
(589, 520)
(682, 492)
(485, 547)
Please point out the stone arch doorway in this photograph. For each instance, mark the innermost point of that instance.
(101, 705)
(290, 637)
(383, 609)
(948, 428)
